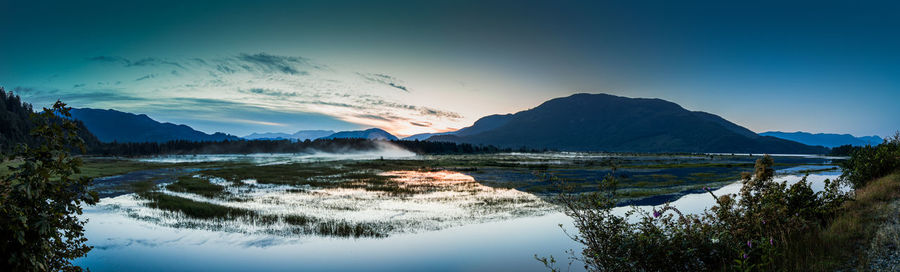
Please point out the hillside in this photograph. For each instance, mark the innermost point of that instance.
(602, 122)
(112, 125)
(825, 139)
(371, 134)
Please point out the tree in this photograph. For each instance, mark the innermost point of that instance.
(41, 197)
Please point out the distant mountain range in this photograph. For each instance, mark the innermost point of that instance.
(825, 139)
(372, 134)
(602, 122)
(123, 127)
(581, 122)
(301, 135)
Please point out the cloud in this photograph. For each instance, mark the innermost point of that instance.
(198, 87)
(384, 79)
(269, 92)
(375, 117)
(81, 98)
(271, 63)
(145, 77)
(140, 62)
(120, 60)
(420, 109)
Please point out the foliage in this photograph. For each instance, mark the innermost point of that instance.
(16, 124)
(844, 150)
(748, 231)
(41, 197)
(871, 162)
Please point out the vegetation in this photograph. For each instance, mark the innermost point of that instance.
(844, 150)
(753, 230)
(17, 124)
(871, 162)
(41, 196)
(767, 226)
(195, 185)
(191, 208)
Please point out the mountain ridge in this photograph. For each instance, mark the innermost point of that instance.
(116, 126)
(372, 134)
(603, 122)
(825, 139)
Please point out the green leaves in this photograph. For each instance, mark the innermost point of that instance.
(871, 162)
(40, 198)
(744, 232)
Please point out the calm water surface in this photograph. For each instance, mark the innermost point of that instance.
(127, 237)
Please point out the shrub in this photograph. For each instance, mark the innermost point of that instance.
(40, 198)
(744, 231)
(871, 162)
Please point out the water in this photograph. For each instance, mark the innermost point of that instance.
(456, 230)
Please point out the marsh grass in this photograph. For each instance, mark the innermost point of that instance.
(191, 208)
(197, 185)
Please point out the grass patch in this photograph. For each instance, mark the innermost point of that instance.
(191, 208)
(291, 174)
(843, 241)
(299, 220)
(199, 186)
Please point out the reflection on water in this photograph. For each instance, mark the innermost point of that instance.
(696, 203)
(431, 200)
(445, 221)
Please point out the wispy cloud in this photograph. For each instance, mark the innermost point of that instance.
(204, 87)
(273, 63)
(145, 77)
(384, 79)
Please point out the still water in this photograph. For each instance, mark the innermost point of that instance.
(458, 234)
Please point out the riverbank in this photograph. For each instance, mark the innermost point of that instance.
(864, 236)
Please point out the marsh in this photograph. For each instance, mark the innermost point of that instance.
(377, 213)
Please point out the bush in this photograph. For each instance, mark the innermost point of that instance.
(871, 162)
(745, 231)
(40, 198)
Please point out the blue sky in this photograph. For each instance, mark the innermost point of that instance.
(424, 66)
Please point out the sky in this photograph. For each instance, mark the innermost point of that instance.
(431, 66)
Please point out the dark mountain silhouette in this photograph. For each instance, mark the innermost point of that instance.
(16, 124)
(485, 123)
(268, 136)
(602, 122)
(825, 139)
(423, 136)
(112, 125)
(301, 135)
(372, 134)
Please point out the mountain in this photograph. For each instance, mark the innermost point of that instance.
(113, 125)
(311, 134)
(825, 139)
(602, 122)
(301, 135)
(485, 123)
(372, 133)
(268, 136)
(423, 136)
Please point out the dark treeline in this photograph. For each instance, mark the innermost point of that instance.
(285, 146)
(16, 124)
(844, 150)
